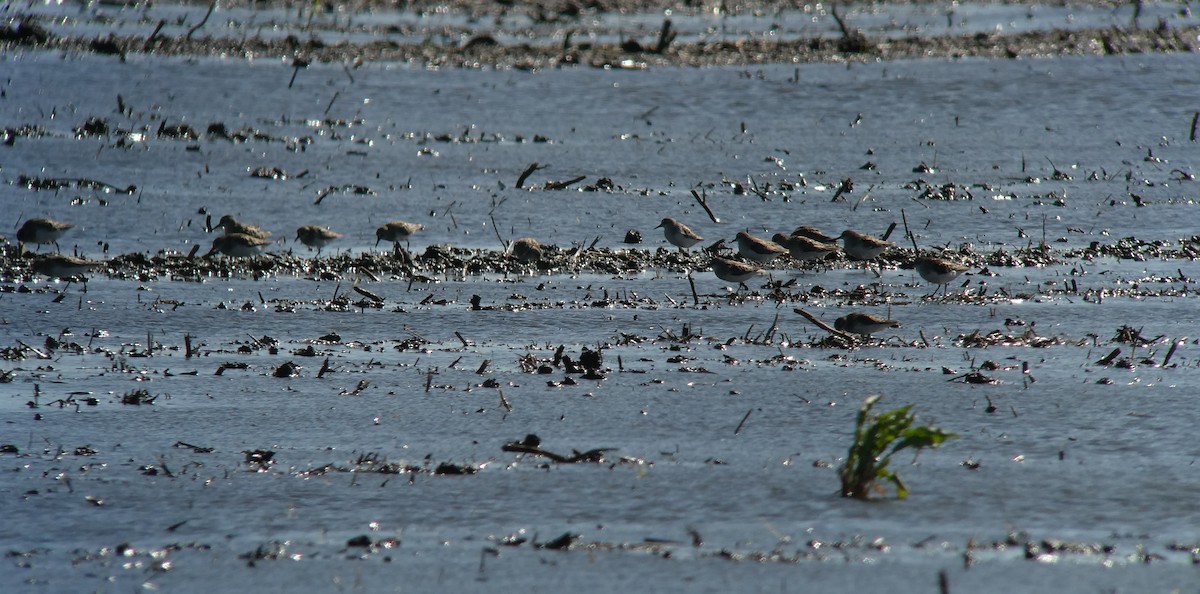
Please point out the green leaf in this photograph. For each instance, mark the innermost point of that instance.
(866, 462)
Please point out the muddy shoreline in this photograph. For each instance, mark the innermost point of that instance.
(466, 48)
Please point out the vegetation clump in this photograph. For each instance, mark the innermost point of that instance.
(876, 439)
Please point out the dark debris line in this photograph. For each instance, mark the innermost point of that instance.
(439, 260)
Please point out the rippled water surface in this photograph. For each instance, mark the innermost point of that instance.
(726, 445)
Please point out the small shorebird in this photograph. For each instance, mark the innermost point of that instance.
(60, 266)
(316, 237)
(232, 226)
(238, 245)
(863, 247)
(732, 270)
(814, 234)
(803, 249)
(396, 231)
(938, 271)
(678, 234)
(758, 250)
(526, 249)
(41, 231)
(864, 324)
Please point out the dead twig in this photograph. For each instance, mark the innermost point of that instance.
(826, 327)
(367, 294)
(704, 204)
(665, 36)
(528, 172)
(562, 184)
(739, 427)
(191, 31)
(596, 455)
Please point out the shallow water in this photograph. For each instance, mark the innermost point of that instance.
(1064, 456)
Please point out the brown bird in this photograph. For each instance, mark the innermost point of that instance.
(733, 271)
(758, 250)
(938, 271)
(864, 324)
(41, 231)
(396, 231)
(814, 234)
(678, 234)
(60, 266)
(317, 237)
(238, 245)
(863, 247)
(526, 249)
(232, 225)
(802, 248)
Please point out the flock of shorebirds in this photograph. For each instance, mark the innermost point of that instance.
(804, 244)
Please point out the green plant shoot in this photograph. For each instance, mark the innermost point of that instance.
(876, 439)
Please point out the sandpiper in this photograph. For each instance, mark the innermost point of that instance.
(526, 249)
(758, 250)
(238, 245)
(41, 231)
(60, 266)
(396, 231)
(232, 226)
(863, 247)
(316, 237)
(938, 271)
(803, 248)
(678, 234)
(814, 234)
(732, 270)
(864, 324)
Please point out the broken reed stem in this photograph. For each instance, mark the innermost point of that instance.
(460, 337)
(769, 335)
(908, 233)
(692, 282)
(561, 184)
(153, 35)
(888, 233)
(495, 228)
(704, 204)
(1195, 122)
(665, 37)
(1110, 357)
(1170, 353)
(367, 294)
(823, 325)
(525, 174)
(191, 31)
(739, 427)
(297, 64)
